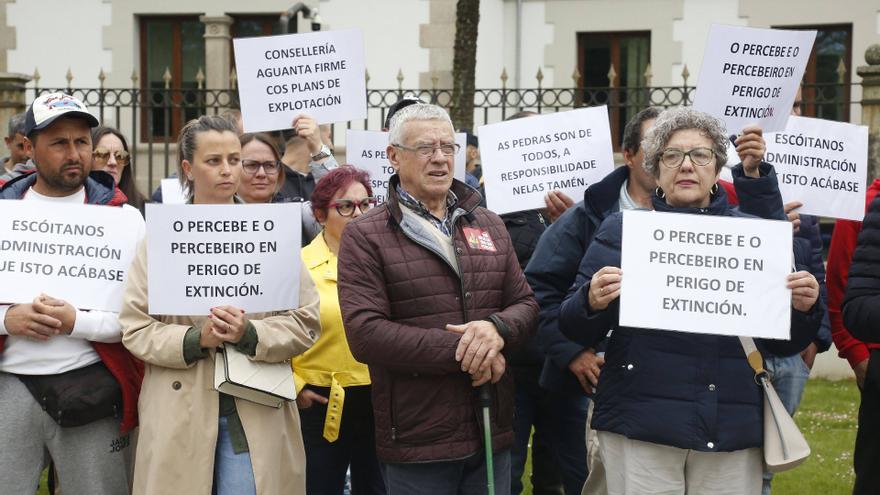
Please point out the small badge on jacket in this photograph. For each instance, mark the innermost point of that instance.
(479, 239)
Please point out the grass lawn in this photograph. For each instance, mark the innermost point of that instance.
(827, 416)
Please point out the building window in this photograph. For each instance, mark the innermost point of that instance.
(248, 26)
(629, 53)
(178, 45)
(824, 96)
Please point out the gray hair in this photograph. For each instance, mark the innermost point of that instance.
(16, 125)
(680, 118)
(418, 111)
(186, 142)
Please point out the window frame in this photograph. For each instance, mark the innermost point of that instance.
(614, 38)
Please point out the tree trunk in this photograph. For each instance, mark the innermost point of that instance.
(467, 18)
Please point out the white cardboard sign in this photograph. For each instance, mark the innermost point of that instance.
(751, 75)
(823, 164)
(172, 192)
(319, 73)
(525, 159)
(706, 274)
(201, 256)
(75, 252)
(366, 150)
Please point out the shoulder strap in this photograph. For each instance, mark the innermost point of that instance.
(756, 361)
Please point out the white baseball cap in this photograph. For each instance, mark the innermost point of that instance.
(48, 107)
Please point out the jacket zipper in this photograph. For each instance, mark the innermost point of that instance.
(463, 307)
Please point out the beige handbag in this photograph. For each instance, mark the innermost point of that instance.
(784, 445)
(270, 384)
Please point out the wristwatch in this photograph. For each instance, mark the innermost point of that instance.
(324, 153)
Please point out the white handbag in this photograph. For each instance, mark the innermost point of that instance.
(784, 445)
(270, 384)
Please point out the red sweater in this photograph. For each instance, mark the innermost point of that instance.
(843, 243)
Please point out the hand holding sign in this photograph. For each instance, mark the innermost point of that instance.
(604, 287)
(804, 290)
(750, 147)
(228, 323)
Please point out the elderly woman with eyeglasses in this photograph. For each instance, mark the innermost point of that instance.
(677, 412)
(335, 408)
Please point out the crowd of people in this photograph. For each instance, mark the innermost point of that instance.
(428, 329)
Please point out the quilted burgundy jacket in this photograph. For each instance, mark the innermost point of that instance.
(397, 293)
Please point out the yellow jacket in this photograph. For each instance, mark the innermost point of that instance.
(329, 362)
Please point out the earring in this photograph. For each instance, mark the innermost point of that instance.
(189, 177)
(714, 190)
(659, 192)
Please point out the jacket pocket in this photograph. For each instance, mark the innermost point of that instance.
(423, 409)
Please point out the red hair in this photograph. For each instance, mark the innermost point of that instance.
(337, 180)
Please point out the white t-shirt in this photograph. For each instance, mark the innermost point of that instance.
(60, 353)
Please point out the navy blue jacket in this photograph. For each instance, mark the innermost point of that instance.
(686, 390)
(100, 188)
(554, 263)
(810, 233)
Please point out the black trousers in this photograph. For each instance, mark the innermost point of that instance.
(866, 459)
(327, 463)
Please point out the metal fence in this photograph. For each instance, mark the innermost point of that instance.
(151, 117)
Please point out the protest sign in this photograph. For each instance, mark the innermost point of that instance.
(172, 191)
(366, 150)
(75, 252)
(823, 164)
(201, 256)
(751, 75)
(524, 159)
(706, 274)
(320, 74)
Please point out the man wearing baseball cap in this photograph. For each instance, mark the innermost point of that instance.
(67, 385)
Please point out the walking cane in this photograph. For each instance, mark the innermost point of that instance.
(485, 404)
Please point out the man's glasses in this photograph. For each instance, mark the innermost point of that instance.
(427, 151)
(345, 207)
(251, 167)
(673, 158)
(103, 155)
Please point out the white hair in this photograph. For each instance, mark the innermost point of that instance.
(417, 111)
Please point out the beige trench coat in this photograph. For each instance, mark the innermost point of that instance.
(179, 407)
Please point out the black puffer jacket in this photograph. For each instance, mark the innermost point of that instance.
(861, 306)
(525, 228)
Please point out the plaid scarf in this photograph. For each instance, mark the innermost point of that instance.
(444, 224)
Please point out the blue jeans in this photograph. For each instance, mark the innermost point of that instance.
(789, 377)
(463, 477)
(233, 473)
(559, 419)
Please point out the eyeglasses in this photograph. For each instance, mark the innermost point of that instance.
(345, 207)
(103, 155)
(673, 158)
(427, 151)
(251, 167)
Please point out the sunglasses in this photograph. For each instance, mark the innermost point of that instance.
(103, 155)
(251, 167)
(345, 207)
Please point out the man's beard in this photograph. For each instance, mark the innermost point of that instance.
(61, 181)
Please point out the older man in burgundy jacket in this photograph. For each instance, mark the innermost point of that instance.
(433, 298)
